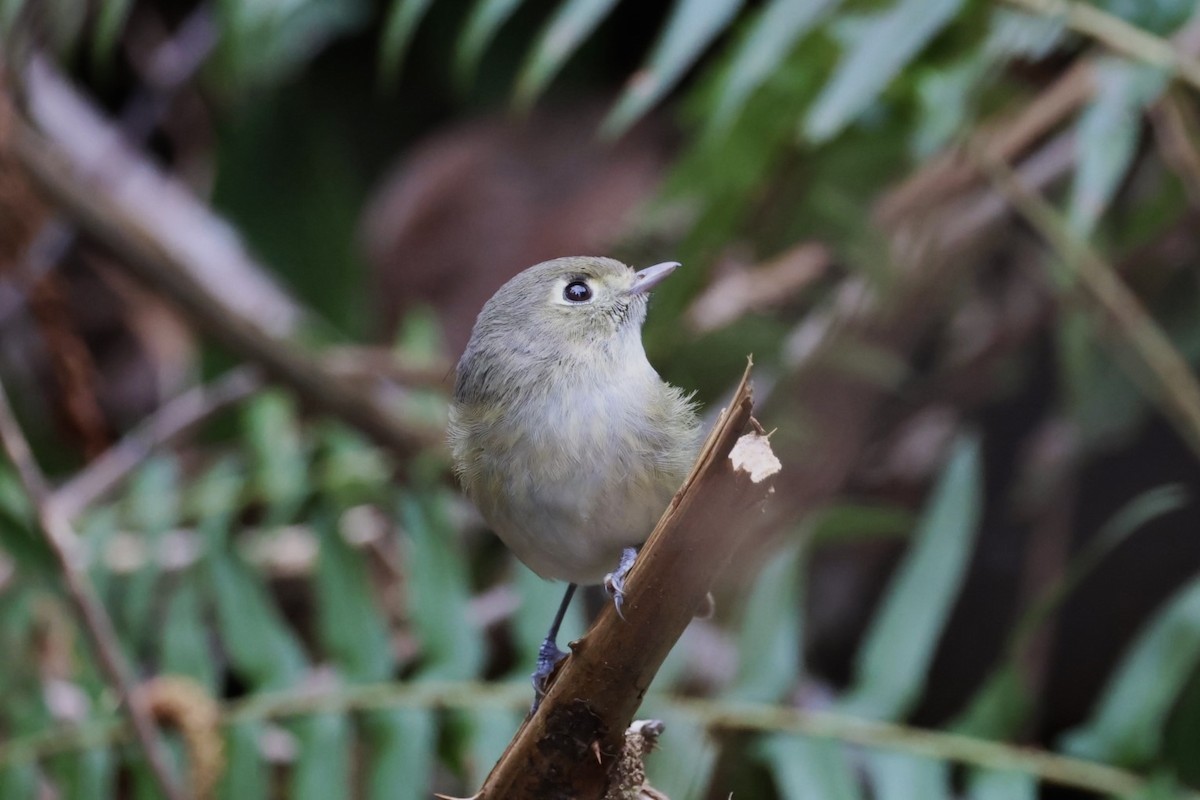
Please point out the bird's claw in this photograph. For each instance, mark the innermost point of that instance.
(614, 586)
(614, 582)
(548, 659)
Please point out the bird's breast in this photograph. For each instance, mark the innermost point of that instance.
(570, 474)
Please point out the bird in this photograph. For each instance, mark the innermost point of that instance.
(562, 434)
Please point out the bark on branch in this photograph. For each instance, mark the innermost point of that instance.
(566, 748)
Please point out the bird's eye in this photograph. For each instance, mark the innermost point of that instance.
(577, 292)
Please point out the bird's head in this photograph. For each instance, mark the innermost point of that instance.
(579, 301)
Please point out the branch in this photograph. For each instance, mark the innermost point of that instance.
(174, 419)
(944, 178)
(359, 366)
(1118, 35)
(741, 290)
(938, 219)
(716, 715)
(1174, 387)
(1050, 767)
(64, 544)
(941, 178)
(171, 243)
(565, 749)
(1173, 122)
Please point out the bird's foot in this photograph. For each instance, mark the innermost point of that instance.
(614, 582)
(549, 657)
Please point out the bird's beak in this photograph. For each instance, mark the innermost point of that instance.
(646, 279)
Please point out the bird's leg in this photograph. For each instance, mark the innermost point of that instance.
(549, 655)
(614, 582)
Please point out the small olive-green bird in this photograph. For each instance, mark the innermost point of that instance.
(563, 435)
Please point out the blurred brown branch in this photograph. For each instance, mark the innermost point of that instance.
(181, 415)
(1049, 767)
(1010, 139)
(1118, 35)
(1174, 386)
(171, 243)
(1175, 127)
(936, 220)
(64, 544)
(719, 715)
(174, 419)
(741, 290)
(565, 749)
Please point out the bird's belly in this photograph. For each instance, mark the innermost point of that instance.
(569, 524)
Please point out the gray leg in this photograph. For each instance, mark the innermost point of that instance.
(549, 655)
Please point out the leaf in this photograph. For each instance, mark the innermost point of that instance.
(885, 46)
(280, 465)
(401, 752)
(19, 780)
(805, 767)
(691, 28)
(153, 502)
(487, 17)
(23, 710)
(350, 626)
(899, 776)
(213, 499)
(62, 23)
(14, 503)
(1162, 785)
(451, 648)
(16, 630)
(1106, 137)
(1126, 725)
(245, 773)
(997, 710)
(402, 21)
(1105, 405)
(262, 650)
(1136, 514)
(10, 13)
(110, 21)
(261, 42)
(1161, 17)
(143, 784)
(96, 532)
(489, 731)
(322, 768)
(1182, 732)
(775, 30)
(152, 508)
(185, 648)
(89, 774)
(539, 599)
(851, 522)
(994, 784)
(1130, 518)
(1014, 33)
(894, 658)
(771, 641)
(571, 24)
(350, 470)
(945, 97)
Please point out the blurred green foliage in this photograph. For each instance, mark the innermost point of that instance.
(356, 657)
